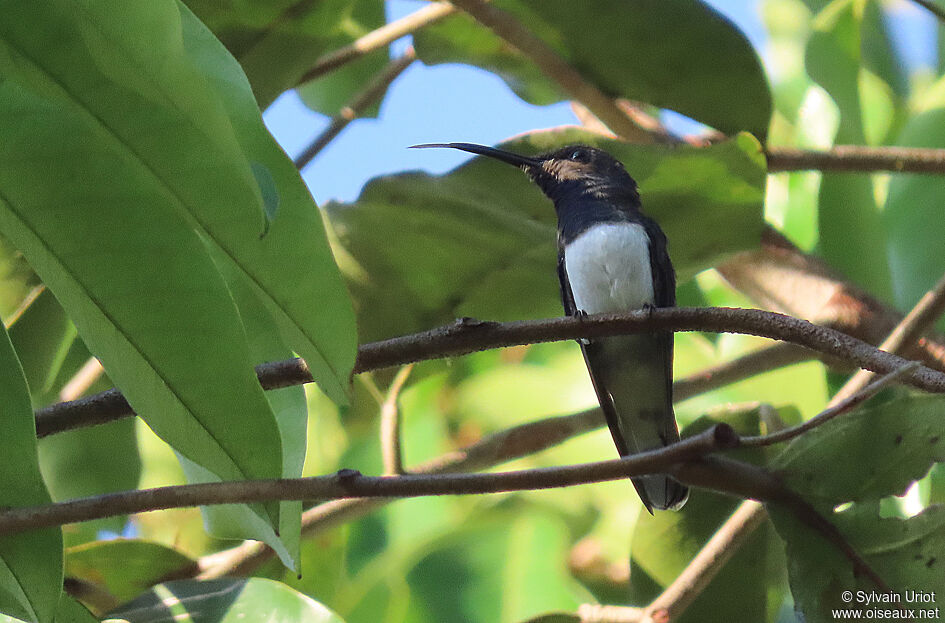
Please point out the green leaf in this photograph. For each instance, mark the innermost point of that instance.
(849, 219)
(236, 521)
(906, 553)
(124, 568)
(327, 94)
(30, 562)
(480, 240)
(91, 461)
(17, 281)
(117, 138)
(291, 267)
(277, 41)
(43, 336)
(506, 567)
(71, 611)
(224, 601)
(915, 251)
(868, 454)
(677, 54)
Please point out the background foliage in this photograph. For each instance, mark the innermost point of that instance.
(150, 221)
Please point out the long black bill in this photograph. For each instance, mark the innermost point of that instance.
(491, 152)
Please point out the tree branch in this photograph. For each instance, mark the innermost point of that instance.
(379, 38)
(701, 570)
(836, 407)
(571, 81)
(391, 451)
(467, 335)
(686, 460)
(910, 329)
(348, 483)
(371, 92)
(857, 158)
(781, 278)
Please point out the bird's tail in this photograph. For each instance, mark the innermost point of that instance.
(632, 376)
(661, 492)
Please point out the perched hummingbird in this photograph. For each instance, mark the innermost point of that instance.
(612, 258)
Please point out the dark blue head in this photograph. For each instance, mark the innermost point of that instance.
(572, 173)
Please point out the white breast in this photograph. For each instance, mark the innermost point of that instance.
(609, 268)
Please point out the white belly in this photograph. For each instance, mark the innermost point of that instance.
(609, 268)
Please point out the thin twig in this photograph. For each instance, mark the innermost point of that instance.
(467, 335)
(391, 450)
(348, 483)
(708, 562)
(571, 81)
(833, 410)
(372, 92)
(379, 38)
(598, 613)
(857, 158)
(910, 329)
(82, 380)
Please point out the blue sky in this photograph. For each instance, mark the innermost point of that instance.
(463, 103)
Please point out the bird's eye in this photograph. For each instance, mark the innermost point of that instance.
(578, 155)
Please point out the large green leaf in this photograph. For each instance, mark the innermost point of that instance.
(291, 267)
(327, 94)
(43, 336)
(419, 250)
(106, 157)
(121, 569)
(849, 219)
(678, 54)
(81, 462)
(30, 562)
(906, 553)
(224, 601)
(916, 251)
(277, 41)
(234, 521)
(91, 461)
(505, 567)
(870, 453)
(68, 611)
(17, 280)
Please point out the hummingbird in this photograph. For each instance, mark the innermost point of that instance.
(612, 258)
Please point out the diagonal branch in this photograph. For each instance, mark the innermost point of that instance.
(571, 81)
(910, 329)
(371, 92)
(836, 407)
(376, 39)
(700, 571)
